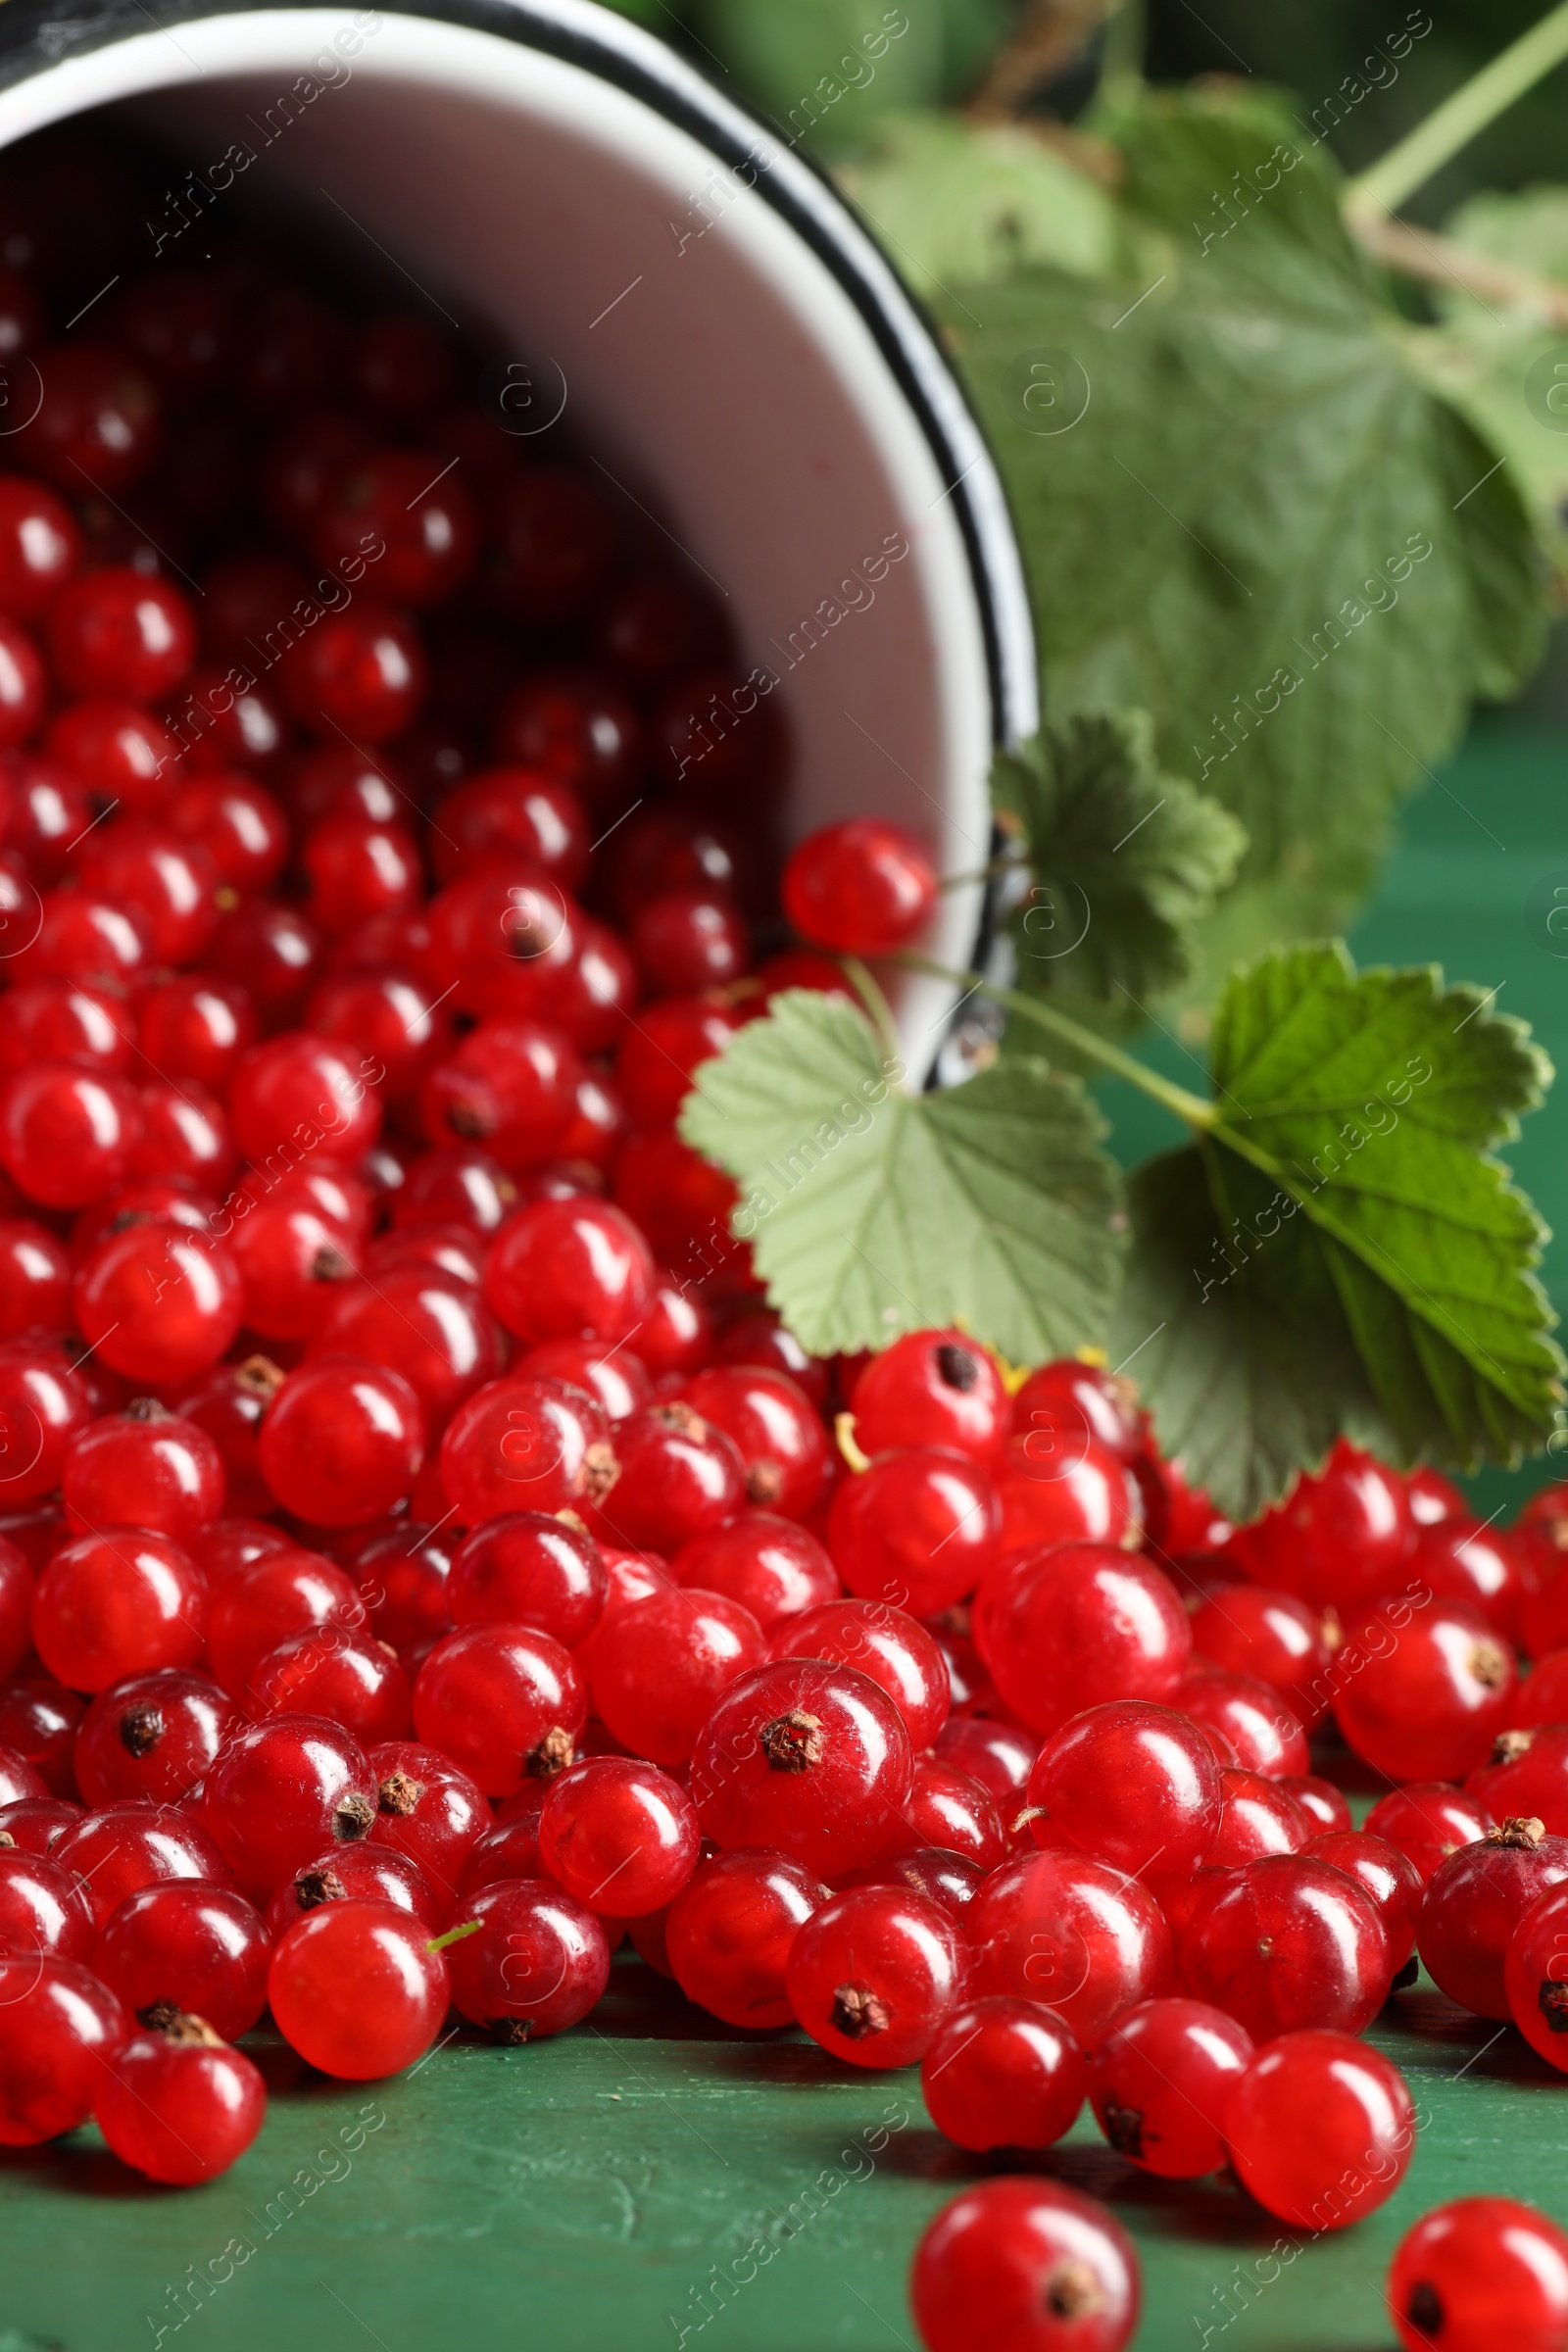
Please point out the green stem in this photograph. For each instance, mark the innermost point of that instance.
(1122, 71)
(470, 1927)
(1189, 1107)
(1460, 118)
(876, 1005)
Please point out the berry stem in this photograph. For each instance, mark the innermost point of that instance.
(1189, 1107)
(876, 1005)
(1462, 116)
(470, 1927)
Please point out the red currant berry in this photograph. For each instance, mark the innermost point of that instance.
(342, 1442)
(1338, 1538)
(1027, 2264)
(127, 1846)
(615, 1379)
(510, 813)
(679, 1477)
(525, 1567)
(520, 1444)
(916, 1530)
(1391, 1880)
(281, 1792)
(1072, 1933)
(1320, 2128)
(776, 1428)
(42, 1908)
(144, 1468)
(1132, 1785)
(932, 1388)
(100, 417)
(274, 953)
(66, 1136)
(1459, 1560)
(302, 1091)
(503, 1702)
(667, 1043)
(862, 887)
(40, 547)
(355, 1873)
(871, 1974)
(688, 940)
(998, 1755)
(116, 1603)
(567, 1270)
(770, 1566)
(56, 1020)
(658, 1667)
(576, 726)
(349, 1678)
(1427, 1821)
(427, 526)
(1258, 1817)
(1477, 2273)
(1473, 1905)
(362, 672)
(1161, 2083)
(179, 1943)
(620, 1836)
(511, 1850)
(949, 1813)
(355, 1989)
(159, 1304)
(1323, 1804)
(1048, 1497)
(1256, 1723)
(39, 1720)
(894, 1649)
(806, 1758)
(34, 1823)
(1288, 1942)
(538, 1963)
(729, 1933)
(1003, 2074)
(118, 632)
(242, 828)
(1072, 1627)
(1429, 1703)
(402, 1574)
(59, 2029)
(1273, 1636)
(154, 1736)
(457, 1186)
(514, 1084)
(427, 1810)
(178, 2104)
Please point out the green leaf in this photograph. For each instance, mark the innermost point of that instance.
(873, 1213)
(1494, 359)
(1133, 856)
(955, 203)
(1263, 527)
(821, 72)
(1341, 1249)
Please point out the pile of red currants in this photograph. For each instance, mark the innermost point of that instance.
(426, 1561)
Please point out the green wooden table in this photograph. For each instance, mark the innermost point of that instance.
(656, 2179)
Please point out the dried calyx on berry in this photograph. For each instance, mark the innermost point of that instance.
(792, 1742)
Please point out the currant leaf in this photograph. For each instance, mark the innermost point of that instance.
(1340, 1249)
(872, 1212)
(1125, 859)
(1243, 507)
